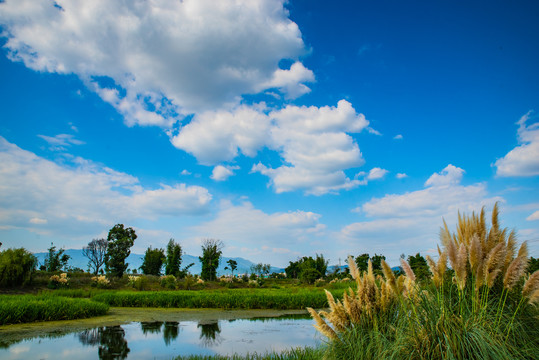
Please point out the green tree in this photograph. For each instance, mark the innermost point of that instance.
(232, 265)
(377, 261)
(362, 262)
(295, 268)
(210, 259)
(174, 258)
(153, 261)
(533, 265)
(16, 267)
(420, 267)
(309, 275)
(95, 252)
(120, 240)
(55, 260)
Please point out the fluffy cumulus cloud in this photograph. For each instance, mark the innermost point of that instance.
(154, 59)
(42, 196)
(523, 160)
(534, 216)
(262, 237)
(377, 173)
(412, 219)
(316, 148)
(314, 143)
(221, 173)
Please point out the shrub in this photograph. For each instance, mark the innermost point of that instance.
(16, 267)
(56, 281)
(100, 281)
(168, 282)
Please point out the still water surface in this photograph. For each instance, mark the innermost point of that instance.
(167, 339)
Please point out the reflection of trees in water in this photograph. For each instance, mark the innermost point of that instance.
(153, 327)
(209, 333)
(111, 341)
(170, 331)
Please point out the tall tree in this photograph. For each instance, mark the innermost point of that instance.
(55, 260)
(174, 258)
(377, 261)
(16, 267)
(95, 252)
(362, 262)
(153, 261)
(120, 241)
(211, 256)
(232, 265)
(420, 266)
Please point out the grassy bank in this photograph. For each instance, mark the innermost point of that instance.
(292, 354)
(28, 308)
(227, 299)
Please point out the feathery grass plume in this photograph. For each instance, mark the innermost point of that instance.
(390, 277)
(531, 284)
(514, 272)
(337, 316)
(493, 261)
(475, 251)
(534, 298)
(321, 325)
(510, 249)
(407, 270)
(352, 266)
(460, 270)
(523, 251)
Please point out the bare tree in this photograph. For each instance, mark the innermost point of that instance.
(95, 252)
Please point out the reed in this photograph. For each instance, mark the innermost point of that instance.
(306, 353)
(28, 308)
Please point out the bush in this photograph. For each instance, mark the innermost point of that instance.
(168, 282)
(16, 267)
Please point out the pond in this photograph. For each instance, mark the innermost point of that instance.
(223, 333)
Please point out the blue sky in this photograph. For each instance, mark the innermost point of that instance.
(282, 128)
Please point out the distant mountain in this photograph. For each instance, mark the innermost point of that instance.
(77, 259)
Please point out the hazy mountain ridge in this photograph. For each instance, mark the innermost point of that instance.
(77, 259)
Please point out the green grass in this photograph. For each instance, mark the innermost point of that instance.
(28, 308)
(306, 353)
(223, 299)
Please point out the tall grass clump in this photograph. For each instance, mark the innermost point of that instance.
(30, 308)
(478, 304)
(306, 353)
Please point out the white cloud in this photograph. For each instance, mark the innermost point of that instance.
(291, 81)
(401, 176)
(61, 141)
(315, 147)
(217, 136)
(164, 56)
(450, 175)
(243, 226)
(415, 216)
(534, 216)
(376, 173)
(185, 172)
(77, 198)
(398, 137)
(221, 173)
(523, 160)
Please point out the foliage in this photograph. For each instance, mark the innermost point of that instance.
(153, 261)
(30, 308)
(55, 260)
(295, 268)
(533, 265)
(95, 252)
(362, 262)
(309, 275)
(174, 259)
(483, 308)
(120, 240)
(168, 281)
(16, 267)
(211, 256)
(229, 299)
(420, 267)
(100, 281)
(260, 269)
(306, 353)
(232, 265)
